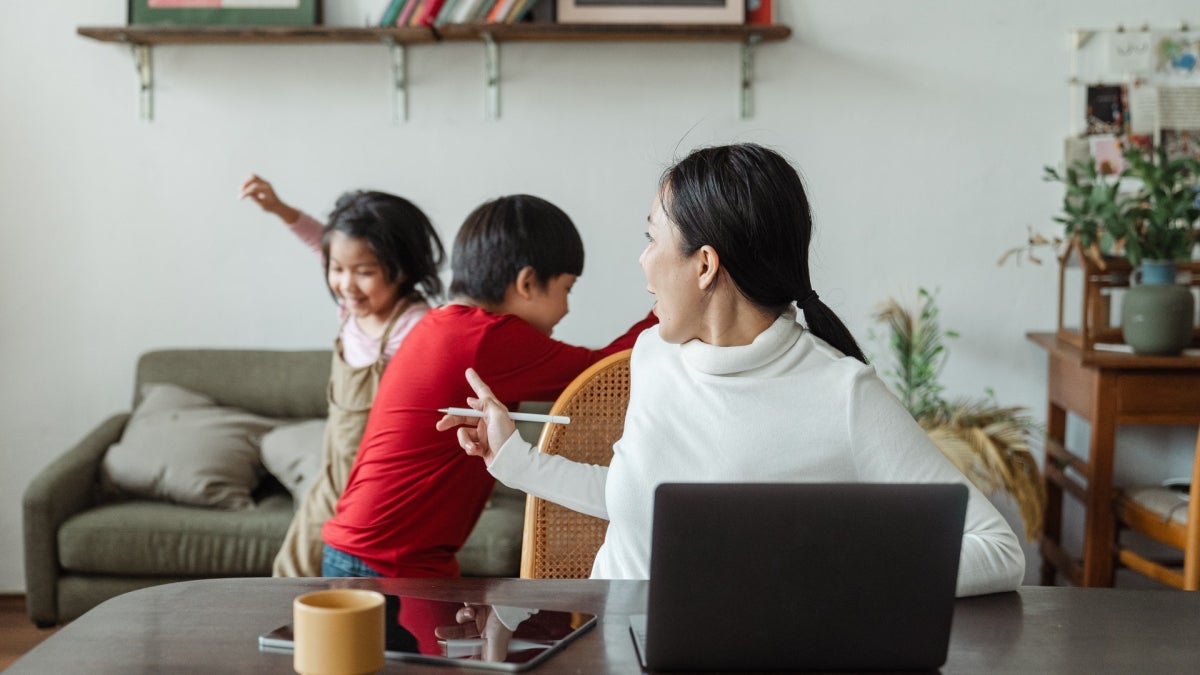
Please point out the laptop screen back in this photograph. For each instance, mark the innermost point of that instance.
(803, 576)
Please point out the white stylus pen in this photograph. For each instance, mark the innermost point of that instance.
(514, 416)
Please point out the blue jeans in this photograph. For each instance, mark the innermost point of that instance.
(335, 563)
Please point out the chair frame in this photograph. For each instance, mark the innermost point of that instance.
(1183, 537)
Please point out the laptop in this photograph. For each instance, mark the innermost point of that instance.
(801, 576)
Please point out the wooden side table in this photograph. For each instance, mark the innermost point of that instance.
(1106, 389)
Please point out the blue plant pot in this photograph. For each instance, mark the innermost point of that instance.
(1157, 314)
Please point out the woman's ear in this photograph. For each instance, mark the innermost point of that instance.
(709, 267)
(526, 283)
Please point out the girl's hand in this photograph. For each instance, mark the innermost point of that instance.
(264, 195)
(482, 436)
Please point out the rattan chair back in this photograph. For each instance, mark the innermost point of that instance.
(560, 543)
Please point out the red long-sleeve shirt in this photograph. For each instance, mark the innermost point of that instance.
(413, 495)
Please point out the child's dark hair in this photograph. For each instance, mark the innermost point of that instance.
(748, 203)
(399, 234)
(501, 237)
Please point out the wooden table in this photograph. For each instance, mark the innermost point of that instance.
(211, 626)
(1106, 389)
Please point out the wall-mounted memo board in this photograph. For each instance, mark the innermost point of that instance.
(1134, 86)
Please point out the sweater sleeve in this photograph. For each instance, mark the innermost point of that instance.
(309, 231)
(575, 485)
(889, 446)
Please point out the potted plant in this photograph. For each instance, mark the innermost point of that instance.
(1158, 228)
(1149, 214)
(988, 442)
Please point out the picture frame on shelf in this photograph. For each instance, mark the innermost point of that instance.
(652, 11)
(225, 12)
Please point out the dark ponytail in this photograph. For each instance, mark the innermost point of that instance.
(749, 204)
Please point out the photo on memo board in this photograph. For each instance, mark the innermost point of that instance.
(652, 11)
(225, 12)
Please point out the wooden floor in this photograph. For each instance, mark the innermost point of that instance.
(17, 633)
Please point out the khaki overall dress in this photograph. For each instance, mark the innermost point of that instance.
(351, 392)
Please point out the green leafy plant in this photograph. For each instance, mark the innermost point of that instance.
(1161, 219)
(918, 354)
(1149, 211)
(988, 442)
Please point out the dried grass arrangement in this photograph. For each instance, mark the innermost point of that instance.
(988, 442)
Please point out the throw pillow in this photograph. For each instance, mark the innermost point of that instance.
(180, 446)
(292, 453)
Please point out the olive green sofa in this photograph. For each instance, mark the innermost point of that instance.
(83, 545)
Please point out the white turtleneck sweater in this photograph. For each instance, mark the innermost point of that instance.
(785, 408)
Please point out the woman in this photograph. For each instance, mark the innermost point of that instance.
(729, 387)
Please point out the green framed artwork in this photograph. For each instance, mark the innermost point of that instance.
(225, 12)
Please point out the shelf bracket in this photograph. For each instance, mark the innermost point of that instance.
(491, 52)
(399, 80)
(145, 70)
(747, 91)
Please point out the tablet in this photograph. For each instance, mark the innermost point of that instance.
(425, 630)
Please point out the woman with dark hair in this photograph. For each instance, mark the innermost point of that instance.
(381, 257)
(730, 386)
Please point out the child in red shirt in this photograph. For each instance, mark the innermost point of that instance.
(413, 497)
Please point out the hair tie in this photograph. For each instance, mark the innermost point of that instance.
(808, 300)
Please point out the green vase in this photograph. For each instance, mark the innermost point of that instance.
(1157, 314)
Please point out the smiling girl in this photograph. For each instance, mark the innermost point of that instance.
(381, 257)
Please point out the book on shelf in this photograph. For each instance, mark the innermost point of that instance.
(407, 12)
(446, 14)
(426, 12)
(412, 16)
(391, 13)
(462, 10)
(476, 10)
(518, 11)
(499, 11)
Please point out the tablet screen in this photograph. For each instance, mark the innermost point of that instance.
(438, 631)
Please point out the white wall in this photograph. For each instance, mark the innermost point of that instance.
(921, 127)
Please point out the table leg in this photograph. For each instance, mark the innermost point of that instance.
(1056, 429)
(1099, 523)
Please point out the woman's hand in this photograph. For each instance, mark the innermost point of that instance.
(479, 621)
(481, 436)
(261, 192)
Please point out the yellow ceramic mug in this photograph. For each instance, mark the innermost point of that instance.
(338, 632)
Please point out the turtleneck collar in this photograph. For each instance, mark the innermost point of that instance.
(779, 337)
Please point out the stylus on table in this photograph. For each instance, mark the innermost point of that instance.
(514, 416)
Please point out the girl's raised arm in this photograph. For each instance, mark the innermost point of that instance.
(263, 194)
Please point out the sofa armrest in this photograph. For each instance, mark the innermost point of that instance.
(62, 489)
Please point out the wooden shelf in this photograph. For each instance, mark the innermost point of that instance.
(182, 35)
(142, 38)
(526, 32)
(558, 32)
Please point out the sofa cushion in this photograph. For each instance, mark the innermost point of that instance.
(494, 547)
(180, 446)
(145, 538)
(292, 453)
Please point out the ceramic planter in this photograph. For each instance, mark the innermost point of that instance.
(1156, 314)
